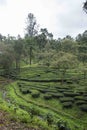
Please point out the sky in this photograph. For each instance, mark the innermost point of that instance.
(60, 17)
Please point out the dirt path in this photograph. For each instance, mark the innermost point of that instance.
(7, 124)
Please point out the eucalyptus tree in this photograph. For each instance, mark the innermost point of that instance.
(31, 32)
(32, 27)
(30, 48)
(85, 6)
(46, 33)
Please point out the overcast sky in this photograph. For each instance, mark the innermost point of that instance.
(61, 17)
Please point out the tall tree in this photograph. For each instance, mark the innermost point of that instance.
(6, 57)
(18, 50)
(32, 31)
(31, 25)
(29, 47)
(85, 6)
(46, 33)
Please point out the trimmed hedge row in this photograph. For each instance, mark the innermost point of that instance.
(57, 95)
(65, 95)
(70, 94)
(25, 91)
(66, 99)
(59, 87)
(80, 102)
(67, 104)
(83, 107)
(61, 90)
(47, 96)
(79, 98)
(35, 94)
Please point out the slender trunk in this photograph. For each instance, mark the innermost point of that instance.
(30, 55)
(17, 64)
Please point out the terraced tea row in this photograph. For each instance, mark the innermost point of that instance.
(66, 95)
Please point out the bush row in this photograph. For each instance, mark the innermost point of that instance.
(47, 96)
(70, 94)
(67, 104)
(83, 107)
(66, 99)
(25, 91)
(35, 94)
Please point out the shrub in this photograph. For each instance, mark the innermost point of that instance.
(47, 96)
(13, 118)
(80, 102)
(62, 125)
(66, 99)
(35, 94)
(22, 107)
(67, 104)
(85, 94)
(49, 119)
(29, 91)
(33, 111)
(25, 91)
(24, 119)
(43, 90)
(61, 90)
(38, 75)
(83, 107)
(69, 82)
(47, 71)
(78, 97)
(82, 92)
(57, 95)
(57, 87)
(19, 84)
(85, 98)
(70, 94)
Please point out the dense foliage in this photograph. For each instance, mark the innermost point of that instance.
(39, 47)
(55, 96)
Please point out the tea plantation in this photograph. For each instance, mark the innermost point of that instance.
(39, 98)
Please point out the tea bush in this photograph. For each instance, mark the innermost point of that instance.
(47, 96)
(83, 107)
(35, 94)
(57, 95)
(67, 104)
(66, 99)
(80, 102)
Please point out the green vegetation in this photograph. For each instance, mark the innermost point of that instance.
(43, 81)
(45, 104)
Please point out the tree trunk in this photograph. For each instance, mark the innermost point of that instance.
(30, 55)
(17, 64)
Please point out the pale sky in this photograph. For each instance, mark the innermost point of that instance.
(61, 17)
